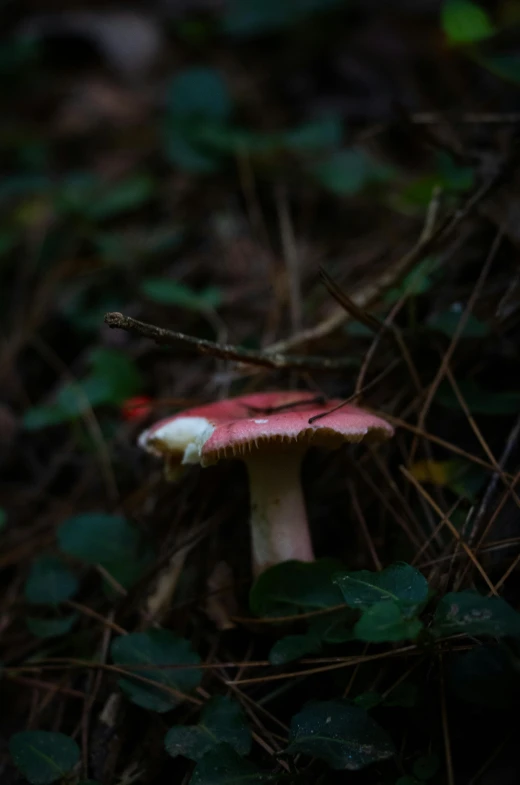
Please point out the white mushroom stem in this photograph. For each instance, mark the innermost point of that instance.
(279, 528)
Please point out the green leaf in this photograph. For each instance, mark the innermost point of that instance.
(221, 139)
(469, 481)
(51, 628)
(8, 241)
(199, 93)
(292, 647)
(257, 17)
(317, 135)
(108, 540)
(157, 648)
(23, 185)
(113, 379)
(340, 733)
(404, 695)
(399, 583)
(426, 767)
(222, 766)
(98, 538)
(294, 587)
(90, 197)
(368, 700)
(447, 322)
(465, 22)
(122, 197)
(347, 172)
(17, 53)
(417, 193)
(462, 477)
(86, 315)
(47, 415)
(418, 281)
(505, 66)
(42, 756)
(75, 192)
(486, 675)
(181, 150)
(50, 582)
(384, 621)
(168, 292)
(334, 627)
(453, 176)
(473, 614)
(3, 518)
(118, 372)
(479, 401)
(222, 722)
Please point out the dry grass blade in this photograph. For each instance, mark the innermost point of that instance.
(348, 304)
(477, 289)
(346, 663)
(396, 271)
(451, 527)
(476, 430)
(437, 440)
(445, 727)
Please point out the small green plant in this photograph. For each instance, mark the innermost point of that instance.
(44, 757)
(465, 22)
(112, 379)
(111, 541)
(339, 608)
(157, 690)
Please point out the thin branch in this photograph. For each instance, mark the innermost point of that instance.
(476, 430)
(172, 338)
(445, 726)
(347, 663)
(455, 533)
(512, 441)
(441, 373)
(395, 271)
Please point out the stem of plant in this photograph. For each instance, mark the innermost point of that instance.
(279, 527)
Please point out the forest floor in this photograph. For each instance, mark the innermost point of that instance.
(333, 182)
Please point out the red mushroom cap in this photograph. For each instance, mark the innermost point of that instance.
(249, 423)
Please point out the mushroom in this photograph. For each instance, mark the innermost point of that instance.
(271, 433)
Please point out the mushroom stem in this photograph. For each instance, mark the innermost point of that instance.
(279, 528)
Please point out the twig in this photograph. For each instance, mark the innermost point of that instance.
(476, 430)
(455, 533)
(492, 486)
(445, 727)
(476, 118)
(374, 290)
(505, 576)
(383, 329)
(347, 663)
(88, 415)
(432, 213)
(439, 376)
(223, 351)
(437, 440)
(364, 528)
(349, 305)
(290, 252)
(496, 752)
(356, 394)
